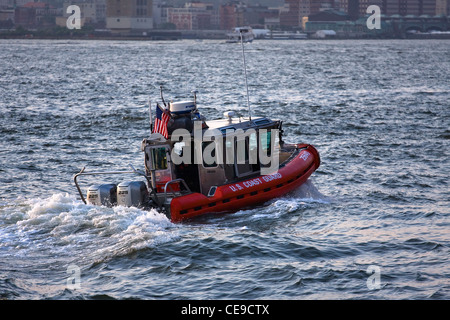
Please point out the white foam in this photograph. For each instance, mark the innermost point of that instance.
(61, 224)
(135, 229)
(308, 193)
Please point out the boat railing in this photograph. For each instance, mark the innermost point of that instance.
(173, 192)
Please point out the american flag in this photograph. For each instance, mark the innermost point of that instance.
(162, 117)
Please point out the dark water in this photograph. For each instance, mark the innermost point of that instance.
(371, 223)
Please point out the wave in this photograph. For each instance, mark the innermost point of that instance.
(62, 227)
(309, 193)
(303, 197)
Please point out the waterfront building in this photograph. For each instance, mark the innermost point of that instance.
(231, 15)
(36, 15)
(296, 12)
(159, 13)
(290, 13)
(129, 16)
(391, 7)
(193, 16)
(272, 23)
(92, 12)
(256, 15)
(6, 18)
(358, 8)
(409, 7)
(329, 15)
(12, 4)
(443, 7)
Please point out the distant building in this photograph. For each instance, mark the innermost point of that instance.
(443, 7)
(329, 15)
(272, 23)
(295, 12)
(36, 15)
(127, 16)
(321, 5)
(256, 15)
(304, 11)
(390, 7)
(352, 7)
(12, 4)
(231, 16)
(100, 11)
(88, 9)
(93, 12)
(159, 12)
(193, 16)
(6, 18)
(290, 14)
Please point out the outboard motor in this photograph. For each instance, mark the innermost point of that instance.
(132, 194)
(102, 195)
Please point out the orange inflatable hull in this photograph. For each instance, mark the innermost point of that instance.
(235, 196)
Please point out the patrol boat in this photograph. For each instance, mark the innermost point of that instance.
(194, 167)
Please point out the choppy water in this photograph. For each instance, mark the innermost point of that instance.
(377, 111)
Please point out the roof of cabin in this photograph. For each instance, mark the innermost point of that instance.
(236, 123)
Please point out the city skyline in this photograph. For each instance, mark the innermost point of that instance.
(141, 16)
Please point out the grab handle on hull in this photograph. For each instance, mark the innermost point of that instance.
(169, 185)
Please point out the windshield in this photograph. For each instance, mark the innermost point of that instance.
(159, 158)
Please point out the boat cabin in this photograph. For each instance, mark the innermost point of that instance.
(201, 155)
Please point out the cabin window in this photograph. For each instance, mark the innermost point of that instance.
(229, 129)
(209, 154)
(253, 144)
(265, 139)
(247, 154)
(159, 159)
(261, 121)
(242, 151)
(247, 149)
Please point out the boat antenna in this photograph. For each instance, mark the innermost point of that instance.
(195, 97)
(162, 98)
(245, 72)
(151, 116)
